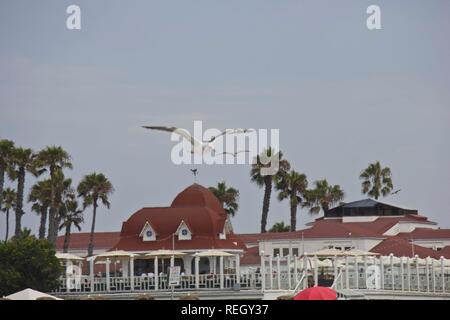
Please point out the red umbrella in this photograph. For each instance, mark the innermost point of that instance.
(316, 293)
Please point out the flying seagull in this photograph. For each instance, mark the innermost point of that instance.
(204, 146)
(194, 172)
(395, 192)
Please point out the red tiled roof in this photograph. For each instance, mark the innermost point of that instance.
(102, 240)
(401, 247)
(425, 233)
(335, 228)
(445, 252)
(251, 257)
(197, 207)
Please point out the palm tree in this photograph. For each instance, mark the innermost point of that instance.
(377, 180)
(279, 227)
(6, 149)
(40, 198)
(266, 181)
(292, 185)
(92, 188)
(72, 216)
(323, 196)
(23, 161)
(53, 159)
(63, 193)
(227, 196)
(9, 202)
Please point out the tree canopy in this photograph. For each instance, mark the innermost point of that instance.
(27, 262)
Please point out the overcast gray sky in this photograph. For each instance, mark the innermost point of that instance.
(341, 95)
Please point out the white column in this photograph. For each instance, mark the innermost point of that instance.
(356, 273)
(316, 271)
(172, 261)
(335, 264)
(417, 273)
(271, 271)
(91, 272)
(402, 274)
(442, 274)
(289, 271)
(295, 269)
(132, 273)
(433, 273)
(187, 264)
(391, 256)
(347, 279)
(197, 272)
(108, 282)
(263, 273)
(408, 272)
(382, 272)
(212, 265)
(155, 267)
(238, 268)
(365, 271)
(278, 272)
(221, 272)
(305, 269)
(427, 273)
(125, 268)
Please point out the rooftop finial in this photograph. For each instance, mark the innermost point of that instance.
(195, 173)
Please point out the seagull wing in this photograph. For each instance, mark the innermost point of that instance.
(230, 131)
(219, 135)
(181, 132)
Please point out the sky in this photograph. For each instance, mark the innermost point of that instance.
(341, 95)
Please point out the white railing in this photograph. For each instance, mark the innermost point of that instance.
(147, 283)
(287, 273)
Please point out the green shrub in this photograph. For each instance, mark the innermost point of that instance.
(26, 262)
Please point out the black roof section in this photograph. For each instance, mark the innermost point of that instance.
(367, 207)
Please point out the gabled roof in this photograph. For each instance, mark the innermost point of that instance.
(183, 223)
(146, 226)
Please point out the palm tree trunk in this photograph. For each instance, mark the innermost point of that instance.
(52, 214)
(91, 240)
(56, 223)
(67, 239)
(51, 225)
(293, 216)
(7, 224)
(266, 202)
(2, 182)
(43, 222)
(19, 205)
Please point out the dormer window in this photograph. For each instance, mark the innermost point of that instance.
(183, 232)
(148, 233)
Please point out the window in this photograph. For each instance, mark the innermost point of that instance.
(285, 252)
(183, 231)
(148, 233)
(276, 252)
(295, 251)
